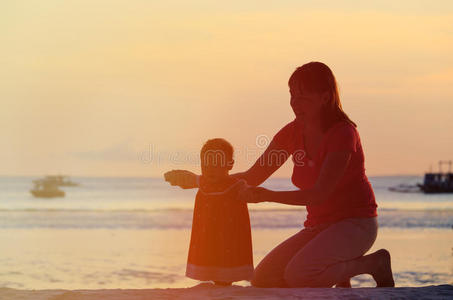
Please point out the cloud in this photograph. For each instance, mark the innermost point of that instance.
(118, 152)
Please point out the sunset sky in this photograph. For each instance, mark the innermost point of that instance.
(93, 87)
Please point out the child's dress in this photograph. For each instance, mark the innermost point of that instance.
(220, 243)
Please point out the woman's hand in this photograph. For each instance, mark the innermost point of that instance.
(252, 194)
(182, 178)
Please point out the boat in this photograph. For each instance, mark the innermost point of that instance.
(46, 189)
(439, 182)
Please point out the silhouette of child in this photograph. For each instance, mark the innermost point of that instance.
(220, 243)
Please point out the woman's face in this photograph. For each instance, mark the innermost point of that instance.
(306, 104)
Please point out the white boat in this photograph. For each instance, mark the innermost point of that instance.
(46, 189)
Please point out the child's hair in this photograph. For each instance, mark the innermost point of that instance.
(217, 149)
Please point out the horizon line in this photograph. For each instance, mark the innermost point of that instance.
(156, 177)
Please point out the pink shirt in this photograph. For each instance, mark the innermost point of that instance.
(353, 196)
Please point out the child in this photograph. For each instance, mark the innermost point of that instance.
(220, 243)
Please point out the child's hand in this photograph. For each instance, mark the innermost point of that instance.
(182, 178)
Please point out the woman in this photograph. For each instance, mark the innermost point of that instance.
(329, 171)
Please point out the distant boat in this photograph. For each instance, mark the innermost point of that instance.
(46, 189)
(433, 183)
(438, 182)
(60, 180)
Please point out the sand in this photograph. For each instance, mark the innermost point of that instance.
(209, 291)
(150, 259)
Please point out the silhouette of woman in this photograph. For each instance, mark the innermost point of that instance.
(329, 171)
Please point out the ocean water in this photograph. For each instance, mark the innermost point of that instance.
(134, 233)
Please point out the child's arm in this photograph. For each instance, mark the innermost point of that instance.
(182, 178)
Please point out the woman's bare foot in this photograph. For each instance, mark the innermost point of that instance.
(344, 284)
(382, 273)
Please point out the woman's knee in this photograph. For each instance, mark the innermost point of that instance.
(267, 280)
(257, 280)
(302, 272)
(269, 272)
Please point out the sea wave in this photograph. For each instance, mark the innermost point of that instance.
(182, 219)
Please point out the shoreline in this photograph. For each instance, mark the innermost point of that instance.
(209, 291)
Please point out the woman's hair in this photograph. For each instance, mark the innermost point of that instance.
(317, 77)
(218, 151)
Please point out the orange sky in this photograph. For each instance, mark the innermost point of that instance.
(88, 87)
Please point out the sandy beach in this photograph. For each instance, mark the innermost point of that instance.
(208, 291)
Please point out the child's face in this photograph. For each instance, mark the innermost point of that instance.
(214, 165)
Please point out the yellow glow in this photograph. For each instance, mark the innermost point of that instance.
(88, 86)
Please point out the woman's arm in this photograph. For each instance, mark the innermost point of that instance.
(271, 159)
(331, 172)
